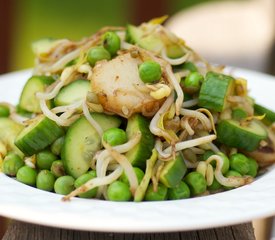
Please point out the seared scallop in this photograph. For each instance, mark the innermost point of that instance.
(119, 88)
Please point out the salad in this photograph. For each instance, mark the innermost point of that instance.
(133, 114)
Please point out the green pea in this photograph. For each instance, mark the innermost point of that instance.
(215, 185)
(239, 114)
(207, 154)
(139, 173)
(225, 166)
(118, 191)
(185, 66)
(83, 179)
(196, 183)
(58, 169)
(93, 173)
(253, 167)
(57, 146)
(64, 185)
(111, 42)
(12, 163)
(149, 71)
(239, 163)
(226, 163)
(45, 180)
(4, 111)
(159, 195)
(231, 173)
(96, 54)
(193, 80)
(115, 136)
(189, 66)
(27, 175)
(174, 51)
(44, 159)
(181, 191)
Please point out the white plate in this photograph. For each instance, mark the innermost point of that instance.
(244, 204)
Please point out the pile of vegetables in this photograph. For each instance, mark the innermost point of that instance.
(133, 114)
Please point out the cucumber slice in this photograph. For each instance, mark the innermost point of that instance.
(82, 142)
(137, 36)
(141, 190)
(28, 100)
(8, 132)
(143, 150)
(173, 171)
(214, 91)
(152, 42)
(73, 92)
(38, 135)
(232, 134)
(239, 114)
(133, 34)
(43, 46)
(269, 115)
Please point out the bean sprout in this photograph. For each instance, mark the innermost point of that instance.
(176, 61)
(90, 119)
(126, 165)
(191, 143)
(231, 181)
(174, 82)
(190, 103)
(49, 114)
(154, 122)
(198, 115)
(185, 125)
(159, 148)
(95, 182)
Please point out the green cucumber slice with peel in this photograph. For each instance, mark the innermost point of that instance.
(72, 92)
(269, 115)
(214, 90)
(137, 36)
(238, 114)
(82, 141)
(133, 34)
(28, 100)
(143, 150)
(8, 132)
(152, 42)
(173, 171)
(38, 135)
(247, 137)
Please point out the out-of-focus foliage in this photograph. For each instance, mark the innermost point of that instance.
(60, 19)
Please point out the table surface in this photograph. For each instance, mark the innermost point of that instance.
(25, 231)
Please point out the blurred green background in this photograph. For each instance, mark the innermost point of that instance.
(34, 19)
(25, 21)
(59, 19)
